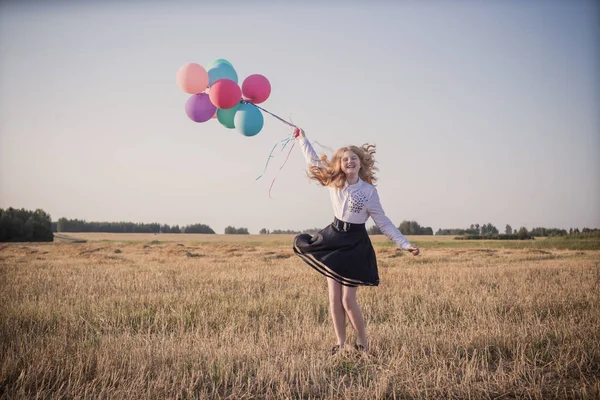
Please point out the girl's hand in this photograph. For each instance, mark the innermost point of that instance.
(298, 132)
(414, 250)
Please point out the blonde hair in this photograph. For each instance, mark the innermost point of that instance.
(332, 175)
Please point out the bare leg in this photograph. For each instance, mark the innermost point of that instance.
(355, 315)
(337, 310)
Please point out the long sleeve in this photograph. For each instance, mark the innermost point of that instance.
(383, 222)
(310, 155)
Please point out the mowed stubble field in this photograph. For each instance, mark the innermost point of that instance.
(241, 317)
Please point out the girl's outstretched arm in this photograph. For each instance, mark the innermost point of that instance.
(310, 155)
(387, 227)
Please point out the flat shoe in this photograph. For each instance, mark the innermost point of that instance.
(359, 347)
(335, 349)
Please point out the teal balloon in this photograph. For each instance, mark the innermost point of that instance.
(226, 117)
(218, 61)
(248, 120)
(221, 71)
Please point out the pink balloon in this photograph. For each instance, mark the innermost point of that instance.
(225, 93)
(192, 78)
(256, 88)
(199, 108)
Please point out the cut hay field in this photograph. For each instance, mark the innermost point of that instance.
(240, 317)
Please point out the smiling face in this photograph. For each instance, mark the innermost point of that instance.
(350, 163)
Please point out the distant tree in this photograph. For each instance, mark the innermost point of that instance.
(374, 230)
(483, 229)
(540, 231)
(415, 228)
(286, 232)
(405, 227)
(198, 228)
(175, 229)
(20, 225)
(165, 229)
(451, 232)
(590, 232)
(488, 229)
(508, 230)
(427, 231)
(76, 225)
(264, 231)
(474, 229)
(523, 233)
(232, 230)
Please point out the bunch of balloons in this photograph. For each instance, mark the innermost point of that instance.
(216, 94)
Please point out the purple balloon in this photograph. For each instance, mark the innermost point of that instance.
(199, 107)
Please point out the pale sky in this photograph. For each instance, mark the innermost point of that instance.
(481, 111)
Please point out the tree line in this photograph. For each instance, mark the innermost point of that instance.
(489, 231)
(406, 227)
(20, 225)
(232, 230)
(25, 225)
(78, 225)
(474, 231)
(265, 231)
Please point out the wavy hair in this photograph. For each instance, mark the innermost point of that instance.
(332, 175)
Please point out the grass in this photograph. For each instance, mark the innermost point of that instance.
(564, 243)
(240, 318)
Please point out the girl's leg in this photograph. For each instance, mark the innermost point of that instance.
(337, 310)
(355, 315)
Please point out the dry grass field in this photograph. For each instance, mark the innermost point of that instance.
(240, 317)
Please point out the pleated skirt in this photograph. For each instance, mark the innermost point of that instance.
(342, 251)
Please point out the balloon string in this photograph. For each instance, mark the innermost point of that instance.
(284, 141)
(268, 112)
(288, 156)
(323, 147)
(284, 162)
(271, 156)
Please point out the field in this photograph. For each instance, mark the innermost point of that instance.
(240, 317)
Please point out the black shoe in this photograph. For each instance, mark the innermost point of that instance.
(359, 347)
(335, 349)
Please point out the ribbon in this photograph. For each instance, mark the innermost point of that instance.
(283, 143)
(270, 113)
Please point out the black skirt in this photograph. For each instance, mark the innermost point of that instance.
(342, 251)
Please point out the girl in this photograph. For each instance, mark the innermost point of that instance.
(343, 251)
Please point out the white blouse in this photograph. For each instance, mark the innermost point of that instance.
(356, 203)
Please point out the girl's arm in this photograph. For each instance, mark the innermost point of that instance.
(387, 227)
(310, 155)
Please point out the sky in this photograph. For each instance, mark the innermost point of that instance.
(482, 112)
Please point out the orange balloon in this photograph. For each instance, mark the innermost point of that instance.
(192, 78)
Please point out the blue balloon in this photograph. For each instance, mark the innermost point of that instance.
(226, 116)
(248, 120)
(221, 71)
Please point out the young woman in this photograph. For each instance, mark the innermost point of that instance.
(343, 251)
